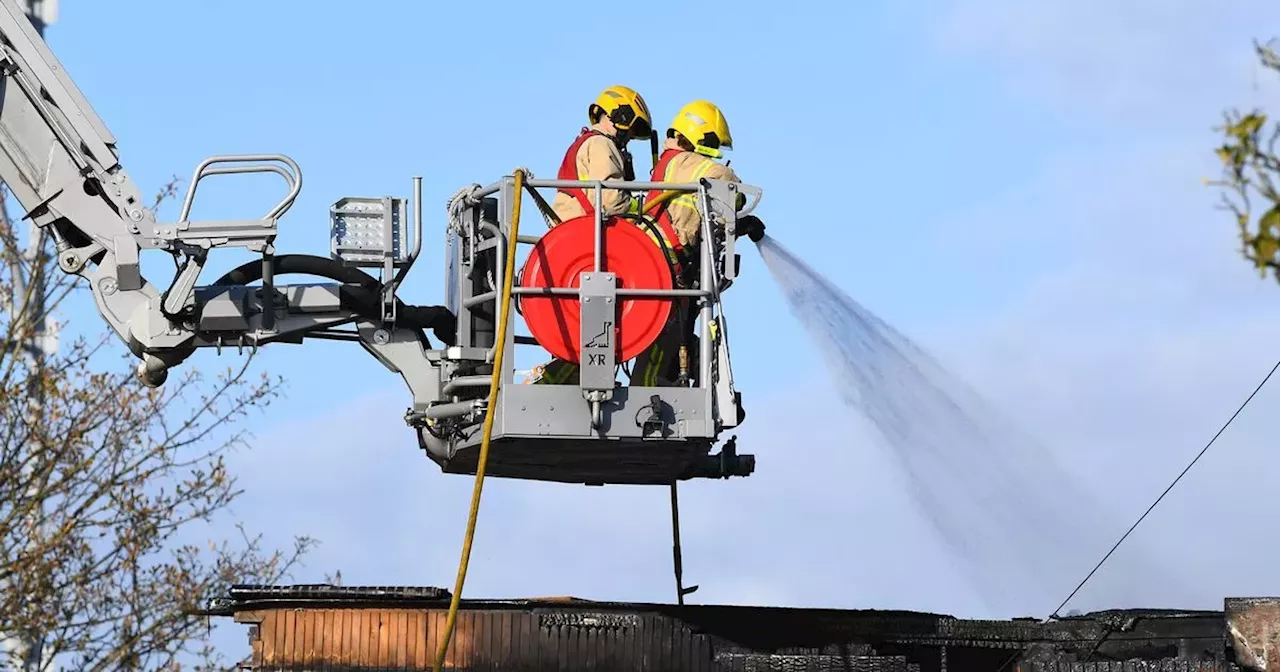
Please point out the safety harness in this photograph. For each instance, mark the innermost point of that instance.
(679, 256)
(569, 170)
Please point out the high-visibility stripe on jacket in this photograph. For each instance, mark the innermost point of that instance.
(662, 218)
(685, 212)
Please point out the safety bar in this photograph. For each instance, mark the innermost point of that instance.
(621, 291)
(417, 232)
(707, 294)
(591, 184)
(597, 186)
(614, 184)
(203, 170)
(628, 292)
(500, 243)
(417, 224)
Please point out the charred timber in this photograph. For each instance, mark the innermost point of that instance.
(395, 628)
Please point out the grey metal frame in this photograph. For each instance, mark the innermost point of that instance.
(61, 163)
(697, 413)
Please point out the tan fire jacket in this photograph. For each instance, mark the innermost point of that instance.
(598, 159)
(686, 168)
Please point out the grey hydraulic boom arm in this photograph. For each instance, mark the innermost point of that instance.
(61, 163)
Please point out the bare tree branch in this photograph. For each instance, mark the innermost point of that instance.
(105, 484)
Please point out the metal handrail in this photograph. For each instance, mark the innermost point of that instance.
(633, 185)
(707, 294)
(705, 254)
(293, 178)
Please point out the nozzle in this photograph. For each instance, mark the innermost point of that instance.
(751, 227)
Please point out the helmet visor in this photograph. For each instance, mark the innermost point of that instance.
(626, 119)
(640, 129)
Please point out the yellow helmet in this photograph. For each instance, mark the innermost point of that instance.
(704, 126)
(626, 109)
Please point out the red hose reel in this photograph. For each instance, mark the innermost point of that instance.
(567, 250)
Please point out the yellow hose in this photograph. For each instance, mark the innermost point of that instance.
(658, 200)
(499, 350)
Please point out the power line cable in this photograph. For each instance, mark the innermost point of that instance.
(1157, 501)
(1166, 491)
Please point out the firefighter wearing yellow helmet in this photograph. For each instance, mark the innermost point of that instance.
(618, 116)
(703, 125)
(698, 136)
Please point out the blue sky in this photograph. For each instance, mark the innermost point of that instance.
(1015, 186)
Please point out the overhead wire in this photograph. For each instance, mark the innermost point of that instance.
(1136, 523)
(1175, 481)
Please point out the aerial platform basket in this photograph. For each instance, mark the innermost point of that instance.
(596, 292)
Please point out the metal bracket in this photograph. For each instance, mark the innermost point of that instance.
(178, 302)
(599, 330)
(653, 421)
(73, 259)
(722, 201)
(727, 410)
(400, 351)
(374, 233)
(597, 356)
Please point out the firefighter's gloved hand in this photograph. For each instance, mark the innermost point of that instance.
(751, 227)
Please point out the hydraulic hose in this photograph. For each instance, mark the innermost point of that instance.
(495, 382)
(361, 293)
(307, 264)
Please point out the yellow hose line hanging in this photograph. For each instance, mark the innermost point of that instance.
(499, 350)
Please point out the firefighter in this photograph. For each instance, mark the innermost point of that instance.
(697, 137)
(618, 116)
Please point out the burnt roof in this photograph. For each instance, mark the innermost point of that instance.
(242, 597)
(1192, 638)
